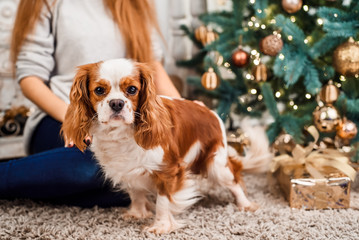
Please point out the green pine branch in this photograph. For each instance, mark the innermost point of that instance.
(288, 28)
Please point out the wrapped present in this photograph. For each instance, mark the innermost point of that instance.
(314, 179)
(355, 185)
(304, 191)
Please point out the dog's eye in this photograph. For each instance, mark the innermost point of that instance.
(132, 90)
(99, 91)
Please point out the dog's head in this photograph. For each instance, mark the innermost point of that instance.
(115, 93)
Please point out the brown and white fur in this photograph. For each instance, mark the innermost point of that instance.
(150, 144)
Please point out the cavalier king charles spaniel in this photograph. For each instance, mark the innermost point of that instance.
(149, 144)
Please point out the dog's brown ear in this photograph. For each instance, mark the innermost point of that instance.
(153, 122)
(80, 112)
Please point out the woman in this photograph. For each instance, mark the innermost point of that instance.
(50, 38)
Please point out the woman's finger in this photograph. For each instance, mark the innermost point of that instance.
(87, 140)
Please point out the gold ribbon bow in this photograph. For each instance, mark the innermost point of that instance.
(315, 159)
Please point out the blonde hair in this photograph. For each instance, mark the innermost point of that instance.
(135, 18)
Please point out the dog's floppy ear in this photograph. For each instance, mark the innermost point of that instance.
(80, 112)
(153, 122)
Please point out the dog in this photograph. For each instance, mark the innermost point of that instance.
(147, 143)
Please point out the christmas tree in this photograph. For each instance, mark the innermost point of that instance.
(297, 60)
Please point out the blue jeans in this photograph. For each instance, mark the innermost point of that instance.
(57, 174)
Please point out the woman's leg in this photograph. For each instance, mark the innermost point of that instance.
(46, 136)
(61, 175)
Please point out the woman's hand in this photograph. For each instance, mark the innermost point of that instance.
(199, 103)
(70, 143)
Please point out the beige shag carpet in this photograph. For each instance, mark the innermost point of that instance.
(214, 217)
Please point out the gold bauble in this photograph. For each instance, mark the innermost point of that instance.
(210, 80)
(329, 93)
(271, 45)
(201, 34)
(292, 6)
(216, 57)
(284, 143)
(260, 73)
(326, 118)
(238, 140)
(347, 129)
(210, 37)
(204, 35)
(344, 146)
(346, 58)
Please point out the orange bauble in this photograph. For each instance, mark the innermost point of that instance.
(347, 129)
(240, 58)
(210, 80)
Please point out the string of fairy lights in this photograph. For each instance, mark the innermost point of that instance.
(257, 24)
(270, 46)
(345, 61)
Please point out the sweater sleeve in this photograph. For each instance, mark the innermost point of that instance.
(36, 54)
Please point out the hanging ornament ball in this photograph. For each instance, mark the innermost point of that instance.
(329, 93)
(346, 58)
(347, 129)
(292, 6)
(201, 34)
(216, 57)
(260, 73)
(271, 45)
(210, 80)
(344, 146)
(284, 143)
(210, 37)
(240, 58)
(326, 118)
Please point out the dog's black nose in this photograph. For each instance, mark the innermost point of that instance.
(116, 104)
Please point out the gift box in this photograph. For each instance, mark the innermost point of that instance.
(303, 191)
(355, 185)
(314, 178)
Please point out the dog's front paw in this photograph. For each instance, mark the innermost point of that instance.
(252, 207)
(161, 227)
(135, 213)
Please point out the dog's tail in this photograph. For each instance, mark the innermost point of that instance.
(257, 156)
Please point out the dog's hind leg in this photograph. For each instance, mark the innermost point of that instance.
(226, 172)
(241, 200)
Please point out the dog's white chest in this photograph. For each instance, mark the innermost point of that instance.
(124, 162)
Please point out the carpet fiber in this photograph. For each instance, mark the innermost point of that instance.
(214, 217)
